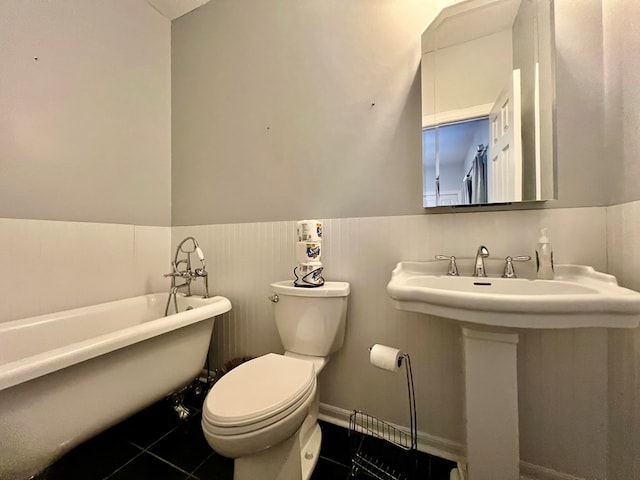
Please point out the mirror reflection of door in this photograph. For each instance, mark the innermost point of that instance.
(505, 148)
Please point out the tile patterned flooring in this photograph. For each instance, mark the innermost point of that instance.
(155, 445)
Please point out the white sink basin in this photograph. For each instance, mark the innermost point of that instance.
(577, 297)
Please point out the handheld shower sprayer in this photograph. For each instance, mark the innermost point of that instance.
(201, 272)
(200, 255)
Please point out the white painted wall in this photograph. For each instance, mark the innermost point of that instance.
(289, 111)
(583, 178)
(84, 153)
(570, 407)
(85, 116)
(622, 114)
(312, 95)
(286, 92)
(622, 120)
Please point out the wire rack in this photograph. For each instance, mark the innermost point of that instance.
(371, 436)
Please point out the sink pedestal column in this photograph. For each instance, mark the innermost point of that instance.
(491, 382)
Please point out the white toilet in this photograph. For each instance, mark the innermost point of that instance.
(264, 413)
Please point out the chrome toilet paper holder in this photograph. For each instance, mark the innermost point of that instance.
(363, 425)
(403, 356)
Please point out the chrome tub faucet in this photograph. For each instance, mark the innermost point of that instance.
(187, 273)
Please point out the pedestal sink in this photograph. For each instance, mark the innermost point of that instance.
(492, 311)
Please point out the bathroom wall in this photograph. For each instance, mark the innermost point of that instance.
(85, 189)
(583, 177)
(337, 112)
(84, 153)
(622, 115)
(273, 101)
(56, 265)
(623, 251)
(85, 111)
(563, 377)
(622, 65)
(572, 402)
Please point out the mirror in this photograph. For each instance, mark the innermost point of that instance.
(488, 97)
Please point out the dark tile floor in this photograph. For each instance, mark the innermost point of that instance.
(155, 445)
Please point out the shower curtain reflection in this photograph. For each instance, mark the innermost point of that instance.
(474, 189)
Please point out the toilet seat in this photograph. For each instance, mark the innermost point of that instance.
(258, 394)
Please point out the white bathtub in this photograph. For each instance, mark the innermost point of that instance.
(65, 377)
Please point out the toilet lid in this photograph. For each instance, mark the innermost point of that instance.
(259, 390)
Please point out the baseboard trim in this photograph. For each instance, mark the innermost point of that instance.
(531, 471)
(431, 444)
(444, 448)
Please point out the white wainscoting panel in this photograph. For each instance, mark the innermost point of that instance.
(623, 231)
(563, 384)
(53, 266)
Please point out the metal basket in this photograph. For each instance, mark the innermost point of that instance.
(371, 437)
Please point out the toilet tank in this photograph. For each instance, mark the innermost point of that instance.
(311, 321)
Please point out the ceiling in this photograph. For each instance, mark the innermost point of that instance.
(173, 9)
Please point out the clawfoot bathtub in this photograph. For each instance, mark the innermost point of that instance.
(66, 376)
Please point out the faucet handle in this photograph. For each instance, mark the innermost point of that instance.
(200, 272)
(453, 268)
(509, 271)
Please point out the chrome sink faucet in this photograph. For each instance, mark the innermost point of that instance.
(482, 253)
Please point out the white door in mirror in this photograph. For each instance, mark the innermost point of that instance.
(505, 145)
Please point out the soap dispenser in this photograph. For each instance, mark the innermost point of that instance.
(544, 257)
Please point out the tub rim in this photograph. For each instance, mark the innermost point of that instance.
(28, 368)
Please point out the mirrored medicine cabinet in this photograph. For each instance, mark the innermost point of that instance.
(488, 95)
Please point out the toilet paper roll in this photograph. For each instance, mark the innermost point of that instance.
(308, 252)
(386, 358)
(309, 231)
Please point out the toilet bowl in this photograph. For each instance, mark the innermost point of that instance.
(264, 413)
(258, 404)
(261, 404)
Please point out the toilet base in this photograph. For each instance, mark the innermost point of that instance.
(310, 452)
(288, 460)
